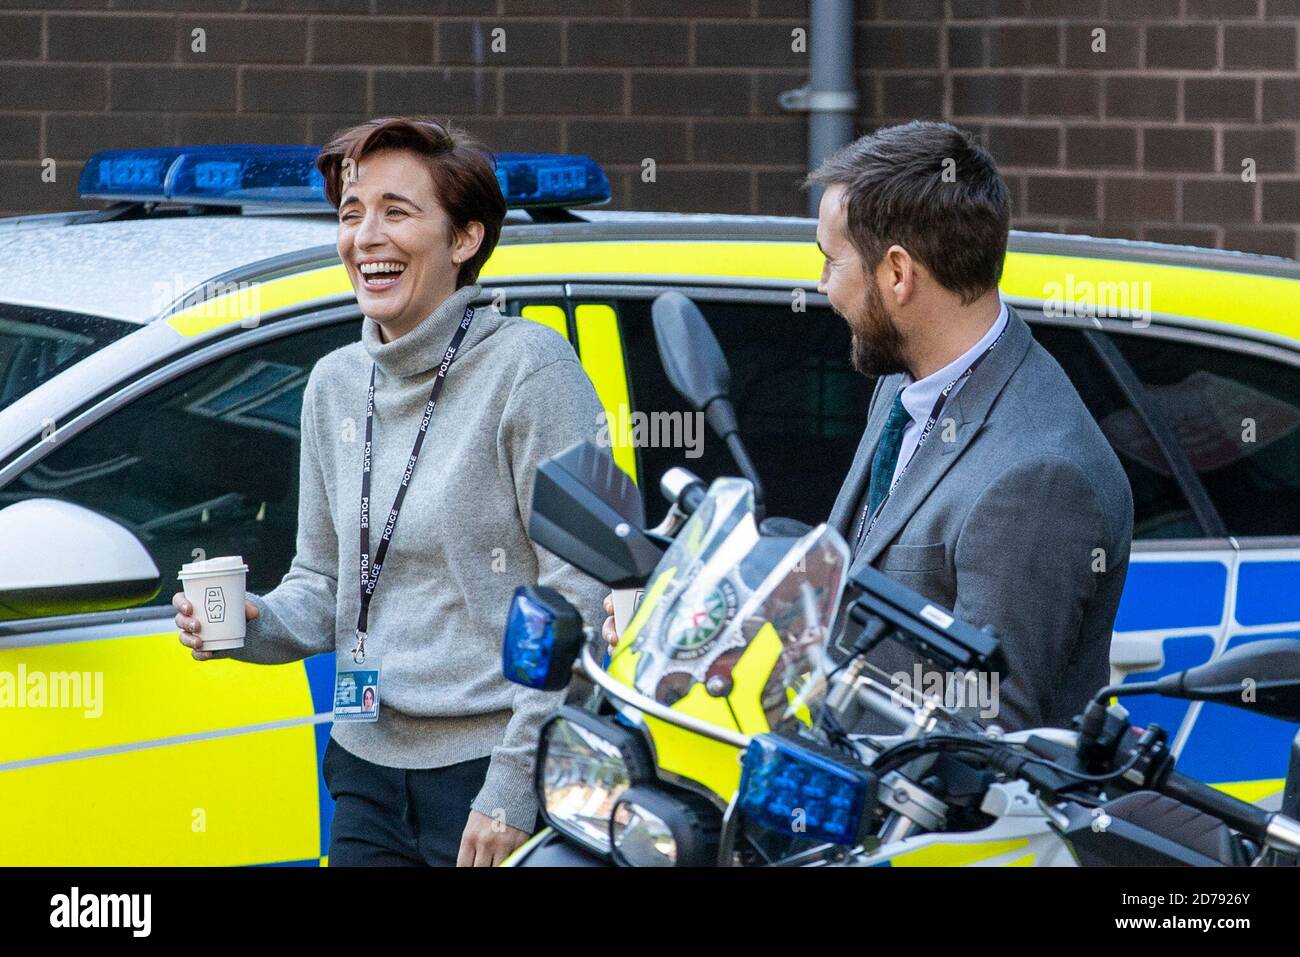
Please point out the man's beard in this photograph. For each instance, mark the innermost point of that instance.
(876, 346)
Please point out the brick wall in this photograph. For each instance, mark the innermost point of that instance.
(1144, 140)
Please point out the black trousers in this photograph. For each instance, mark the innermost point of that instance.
(393, 817)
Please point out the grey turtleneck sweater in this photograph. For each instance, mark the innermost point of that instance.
(515, 395)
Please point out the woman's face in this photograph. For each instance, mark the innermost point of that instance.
(397, 242)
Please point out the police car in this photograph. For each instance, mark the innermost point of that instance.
(194, 305)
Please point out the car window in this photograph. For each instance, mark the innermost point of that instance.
(800, 404)
(802, 408)
(1160, 509)
(1237, 418)
(36, 344)
(208, 461)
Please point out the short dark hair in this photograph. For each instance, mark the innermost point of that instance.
(896, 191)
(462, 171)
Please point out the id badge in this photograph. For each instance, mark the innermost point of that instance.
(356, 693)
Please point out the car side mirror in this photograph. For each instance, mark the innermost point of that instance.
(61, 558)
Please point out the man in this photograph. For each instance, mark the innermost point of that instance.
(981, 480)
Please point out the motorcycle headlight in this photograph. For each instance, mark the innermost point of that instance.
(584, 765)
(652, 829)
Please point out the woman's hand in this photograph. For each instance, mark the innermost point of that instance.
(608, 631)
(189, 625)
(487, 842)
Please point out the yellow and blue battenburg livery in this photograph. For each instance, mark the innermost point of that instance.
(1181, 609)
(211, 765)
(219, 763)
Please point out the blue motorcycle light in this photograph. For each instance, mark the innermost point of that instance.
(542, 639)
(795, 789)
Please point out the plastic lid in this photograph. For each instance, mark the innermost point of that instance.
(214, 566)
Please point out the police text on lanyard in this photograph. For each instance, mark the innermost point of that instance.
(369, 575)
(925, 434)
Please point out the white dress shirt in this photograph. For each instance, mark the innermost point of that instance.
(919, 397)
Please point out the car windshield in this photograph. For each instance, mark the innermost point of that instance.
(737, 616)
(37, 344)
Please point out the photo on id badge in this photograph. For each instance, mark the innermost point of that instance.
(356, 694)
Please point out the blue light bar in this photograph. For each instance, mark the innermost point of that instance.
(542, 638)
(244, 175)
(792, 789)
(531, 180)
(238, 175)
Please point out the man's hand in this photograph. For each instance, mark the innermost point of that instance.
(608, 631)
(487, 842)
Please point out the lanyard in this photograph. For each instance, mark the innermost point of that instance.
(925, 434)
(370, 574)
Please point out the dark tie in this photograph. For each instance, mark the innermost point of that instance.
(886, 457)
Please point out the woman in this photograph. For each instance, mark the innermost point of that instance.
(439, 770)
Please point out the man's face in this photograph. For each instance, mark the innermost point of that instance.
(877, 345)
(395, 239)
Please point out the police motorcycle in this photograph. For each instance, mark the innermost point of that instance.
(719, 731)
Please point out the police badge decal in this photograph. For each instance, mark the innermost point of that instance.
(694, 625)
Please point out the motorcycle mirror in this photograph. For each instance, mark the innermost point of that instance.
(691, 357)
(1262, 676)
(587, 511)
(698, 371)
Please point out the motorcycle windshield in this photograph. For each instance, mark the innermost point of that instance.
(734, 624)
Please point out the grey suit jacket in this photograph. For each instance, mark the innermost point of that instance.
(1020, 517)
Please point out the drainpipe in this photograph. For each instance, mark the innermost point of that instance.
(829, 98)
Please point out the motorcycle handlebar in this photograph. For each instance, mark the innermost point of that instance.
(1240, 816)
(1264, 827)
(1270, 828)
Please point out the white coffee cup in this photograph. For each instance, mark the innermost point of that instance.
(215, 589)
